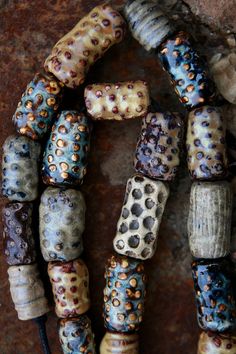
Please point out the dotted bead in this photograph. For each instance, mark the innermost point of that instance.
(216, 343)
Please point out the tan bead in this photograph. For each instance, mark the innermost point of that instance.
(119, 343)
(27, 291)
(216, 343)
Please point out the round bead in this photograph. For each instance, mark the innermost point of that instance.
(216, 343)
(119, 343)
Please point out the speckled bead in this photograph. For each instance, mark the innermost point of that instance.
(20, 168)
(206, 146)
(158, 146)
(123, 100)
(119, 343)
(27, 291)
(93, 35)
(76, 335)
(66, 152)
(147, 23)
(70, 285)
(214, 295)
(124, 294)
(187, 71)
(140, 219)
(18, 239)
(38, 106)
(216, 343)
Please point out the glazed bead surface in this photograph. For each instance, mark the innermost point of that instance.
(216, 343)
(140, 219)
(38, 106)
(206, 146)
(66, 152)
(124, 294)
(62, 222)
(209, 220)
(27, 291)
(147, 23)
(158, 146)
(20, 168)
(70, 285)
(18, 239)
(187, 71)
(123, 100)
(214, 294)
(93, 35)
(119, 343)
(76, 335)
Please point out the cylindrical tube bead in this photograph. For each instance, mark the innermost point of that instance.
(20, 168)
(124, 294)
(119, 343)
(140, 219)
(209, 220)
(66, 152)
(27, 291)
(216, 343)
(70, 285)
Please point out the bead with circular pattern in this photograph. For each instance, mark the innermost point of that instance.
(119, 343)
(216, 343)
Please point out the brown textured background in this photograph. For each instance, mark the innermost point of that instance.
(28, 31)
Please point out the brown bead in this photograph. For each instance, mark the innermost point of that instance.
(216, 343)
(119, 343)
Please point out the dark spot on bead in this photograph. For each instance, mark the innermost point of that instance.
(145, 252)
(205, 124)
(120, 244)
(197, 142)
(106, 22)
(169, 140)
(148, 222)
(133, 241)
(125, 213)
(139, 179)
(123, 228)
(200, 155)
(137, 194)
(112, 97)
(148, 189)
(134, 225)
(149, 203)
(149, 238)
(136, 210)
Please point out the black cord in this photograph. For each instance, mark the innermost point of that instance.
(41, 322)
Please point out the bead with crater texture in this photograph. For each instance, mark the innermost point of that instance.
(119, 343)
(216, 343)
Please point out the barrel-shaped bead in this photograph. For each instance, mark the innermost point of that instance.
(140, 218)
(27, 291)
(216, 343)
(206, 146)
(76, 335)
(147, 23)
(38, 106)
(216, 309)
(18, 239)
(187, 71)
(70, 285)
(93, 35)
(209, 220)
(20, 168)
(123, 100)
(124, 294)
(66, 152)
(119, 343)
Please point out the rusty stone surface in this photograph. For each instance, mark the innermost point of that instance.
(28, 32)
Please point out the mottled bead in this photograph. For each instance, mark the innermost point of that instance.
(140, 219)
(18, 238)
(76, 335)
(147, 23)
(38, 106)
(123, 100)
(206, 146)
(119, 343)
(70, 285)
(27, 291)
(20, 168)
(214, 295)
(93, 35)
(216, 343)
(62, 222)
(66, 152)
(124, 294)
(187, 71)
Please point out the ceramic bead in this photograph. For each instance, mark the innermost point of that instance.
(20, 168)
(158, 146)
(93, 35)
(187, 71)
(214, 294)
(18, 239)
(123, 100)
(206, 146)
(76, 335)
(209, 220)
(70, 285)
(147, 23)
(27, 291)
(66, 153)
(140, 219)
(119, 343)
(124, 294)
(216, 343)
(38, 106)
